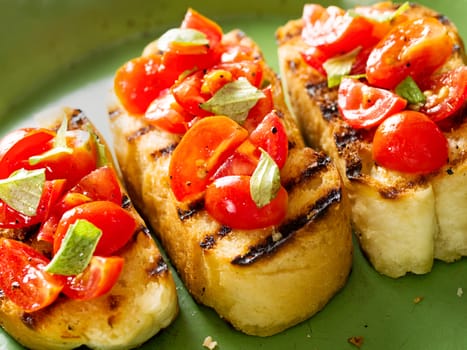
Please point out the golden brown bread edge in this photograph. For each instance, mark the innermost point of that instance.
(403, 222)
(258, 281)
(143, 301)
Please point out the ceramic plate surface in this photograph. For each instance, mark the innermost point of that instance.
(55, 52)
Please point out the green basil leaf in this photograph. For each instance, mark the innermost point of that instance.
(59, 145)
(76, 250)
(22, 191)
(181, 36)
(265, 181)
(234, 100)
(340, 66)
(409, 90)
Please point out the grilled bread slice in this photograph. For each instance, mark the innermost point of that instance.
(403, 221)
(261, 281)
(142, 302)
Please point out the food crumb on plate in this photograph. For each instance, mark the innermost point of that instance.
(460, 292)
(209, 343)
(417, 300)
(356, 340)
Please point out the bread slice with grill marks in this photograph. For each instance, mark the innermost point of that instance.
(140, 304)
(403, 222)
(261, 281)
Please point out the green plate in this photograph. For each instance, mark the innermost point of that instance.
(58, 52)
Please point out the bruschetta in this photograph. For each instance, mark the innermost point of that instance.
(255, 223)
(382, 90)
(79, 267)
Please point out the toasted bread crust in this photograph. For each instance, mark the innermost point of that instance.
(402, 221)
(142, 302)
(260, 281)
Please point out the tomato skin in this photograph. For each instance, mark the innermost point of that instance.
(271, 136)
(228, 200)
(23, 279)
(116, 223)
(442, 103)
(259, 110)
(187, 94)
(17, 146)
(97, 279)
(335, 32)
(205, 146)
(410, 142)
(165, 113)
(364, 106)
(251, 70)
(138, 82)
(195, 20)
(414, 48)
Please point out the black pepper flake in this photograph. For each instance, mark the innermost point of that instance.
(274, 130)
(450, 171)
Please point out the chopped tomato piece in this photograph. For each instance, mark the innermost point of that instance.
(251, 70)
(259, 110)
(195, 20)
(271, 136)
(364, 106)
(23, 279)
(201, 151)
(228, 200)
(410, 142)
(447, 93)
(138, 82)
(117, 225)
(187, 94)
(414, 48)
(17, 146)
(335, 32)
(165, 113)
(97, 279)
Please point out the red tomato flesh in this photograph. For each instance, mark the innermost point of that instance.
(206, 145)
(410, 142)
(97, 279)
(228, 200)
(23, 279)
(117, 225)
(364, 106)
(414, 48)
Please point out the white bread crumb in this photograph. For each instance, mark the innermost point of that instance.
(209, 343)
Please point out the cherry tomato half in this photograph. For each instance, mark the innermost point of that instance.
(333, 31)
(364, 106)
(410, 142)
(138, 82)
(228, 200)
(165, 113)
(414, 48)
(448, 93)
(17, 146)
(205, 146)
(97, 279)
(23, 279)
(187, 93)
(117, 225)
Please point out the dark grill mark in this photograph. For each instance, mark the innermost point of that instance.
(140, 132)
(28, 320)
(320, 164)
(287, 230)
(329, 110)
(114, 301)
(353, 170)
(193, 208)
(316, 90)
(126, 202)
(347, 136)
(164, 151)
(325, 98)
(210, 240)
(443, 19)
(114, 113)
(77, 119)
(160, 268)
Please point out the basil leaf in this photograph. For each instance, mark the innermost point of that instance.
(59, 145)
(265, 180)
(409, 90)
(76, 250)
(181, 36)
(340, 66)
(234, 100)
(22, 191)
